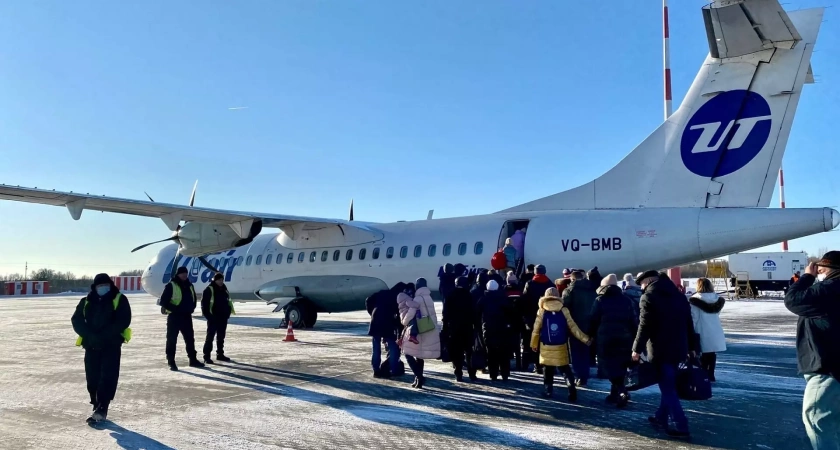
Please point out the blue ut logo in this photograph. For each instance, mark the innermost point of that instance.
(768, 266)
(726, 133)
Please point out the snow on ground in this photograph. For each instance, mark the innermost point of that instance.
(319, 393)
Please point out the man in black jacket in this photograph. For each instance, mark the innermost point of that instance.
(384, 322)
(458, 327)
(579, 298)
(815, 298)
(101, 320)
(666, 329)
(216, 307)
(178, 302)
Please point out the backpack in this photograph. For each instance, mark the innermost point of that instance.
(555, 330)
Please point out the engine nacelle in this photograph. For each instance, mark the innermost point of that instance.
(199, 239)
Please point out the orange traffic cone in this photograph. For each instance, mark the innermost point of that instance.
(290, 334)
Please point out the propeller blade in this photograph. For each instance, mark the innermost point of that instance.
(351, 209)
(207, 264)
(192, 197)
(149, 196)
(173, 238)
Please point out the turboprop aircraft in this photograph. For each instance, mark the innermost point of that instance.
(697, 188)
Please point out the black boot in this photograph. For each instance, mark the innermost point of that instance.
(473, 376)
(623, 400)
(207, 360)
(194, 362)
(459, 376)
(572, 393)
(222, 358)
(100, 414)
(548, 391)
(172, 366)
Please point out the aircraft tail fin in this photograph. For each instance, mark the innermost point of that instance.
(724, 145)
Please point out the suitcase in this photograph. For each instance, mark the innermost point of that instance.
(693, 382)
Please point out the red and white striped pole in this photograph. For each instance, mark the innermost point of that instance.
(782, 198)
(666, 58)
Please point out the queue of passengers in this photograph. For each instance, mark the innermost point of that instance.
(544, 326)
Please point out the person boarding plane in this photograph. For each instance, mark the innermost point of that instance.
(697, 188)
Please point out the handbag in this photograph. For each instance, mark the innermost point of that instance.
(425, 323)
(640, 376)
(693, 382)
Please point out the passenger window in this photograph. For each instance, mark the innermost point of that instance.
(376, 253)
(447, 249)
(259, 260)
(403, 252)
(268, 260)
(290, 258)
(418, 250)
(479, 247)
(301, 256)
(312, 256)
(248, 261)
(239, 261)
(432, 250)
(324, 255)
(336, 255)
(349, 255)
(462, 248)
(279, 259)
(362, 254)
(389, 253)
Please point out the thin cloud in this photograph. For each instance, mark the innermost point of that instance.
(234, 108)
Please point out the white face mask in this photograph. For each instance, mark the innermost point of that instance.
(821, 277)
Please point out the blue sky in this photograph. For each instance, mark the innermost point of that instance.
(403, 106)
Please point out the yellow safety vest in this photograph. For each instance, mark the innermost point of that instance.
(126, 334)
(213, 299)
(177, 295)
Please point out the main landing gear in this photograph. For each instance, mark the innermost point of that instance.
(301, 313)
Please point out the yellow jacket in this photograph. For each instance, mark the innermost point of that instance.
(555, 355)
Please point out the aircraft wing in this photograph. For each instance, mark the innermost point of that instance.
(171, 214)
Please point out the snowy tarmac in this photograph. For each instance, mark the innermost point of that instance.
(319, 393)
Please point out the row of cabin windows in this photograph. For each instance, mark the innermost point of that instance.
(478, 248)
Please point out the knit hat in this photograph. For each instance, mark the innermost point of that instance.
(218, 276)
(540, 269)
(102, 278)
(181, 270)
(567, 272)
(610, 280)
(492, 285)
(552, 292)
(628, 278)
(511, 279)
(421, 283)
(530, 267)
(830, 260)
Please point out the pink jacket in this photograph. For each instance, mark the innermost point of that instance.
(408, 306)
(429, 346)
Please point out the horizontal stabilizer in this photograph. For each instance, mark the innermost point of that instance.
(747, 26)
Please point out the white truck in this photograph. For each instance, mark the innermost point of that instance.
(767, 271)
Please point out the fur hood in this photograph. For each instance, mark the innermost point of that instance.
(551, 304)
(708, 302)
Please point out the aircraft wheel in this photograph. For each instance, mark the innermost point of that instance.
(301, 314)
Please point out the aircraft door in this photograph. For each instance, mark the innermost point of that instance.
(511, 229)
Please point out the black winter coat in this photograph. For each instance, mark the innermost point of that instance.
(187, 305)
(458, 319)
(665, 325)
(530, 299)
(221, 303)
(447, 284)
(497, 313)
(100, 325)
(613, 321)
(580, 297)
(384, 314)
(818, 327)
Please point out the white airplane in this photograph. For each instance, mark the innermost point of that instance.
(697, 188)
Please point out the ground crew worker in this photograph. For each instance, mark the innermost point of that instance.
(216, 307)
(178, 302)
(101, 320)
